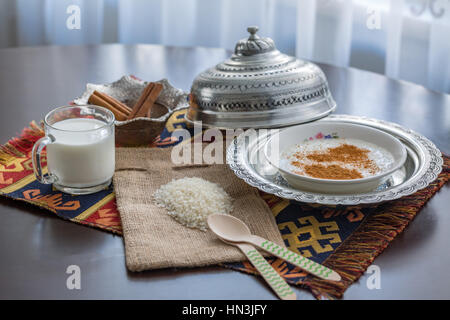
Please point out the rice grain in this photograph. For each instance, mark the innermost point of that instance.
(191, 200)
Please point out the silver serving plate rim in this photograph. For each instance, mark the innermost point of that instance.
(429, 165)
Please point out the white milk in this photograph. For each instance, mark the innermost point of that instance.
(81, 158)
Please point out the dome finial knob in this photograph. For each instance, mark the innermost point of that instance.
(253, 30)
(253, 44)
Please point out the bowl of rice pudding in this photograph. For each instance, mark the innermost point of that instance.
(337, 158)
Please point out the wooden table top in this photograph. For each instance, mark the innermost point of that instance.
(36, 247)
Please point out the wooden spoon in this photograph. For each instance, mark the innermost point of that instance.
(273, 279)
(232, 229)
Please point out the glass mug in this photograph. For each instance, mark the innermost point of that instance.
(80, 149)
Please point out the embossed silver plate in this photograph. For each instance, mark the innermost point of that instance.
(422, 166)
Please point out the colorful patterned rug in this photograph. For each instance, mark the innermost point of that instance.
(346, 239)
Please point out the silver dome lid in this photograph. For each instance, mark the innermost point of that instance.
(259, 87)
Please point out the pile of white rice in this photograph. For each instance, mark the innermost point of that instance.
(191, 200)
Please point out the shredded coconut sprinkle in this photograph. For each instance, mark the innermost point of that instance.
(191, 200)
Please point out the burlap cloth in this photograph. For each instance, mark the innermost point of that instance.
(155, 240)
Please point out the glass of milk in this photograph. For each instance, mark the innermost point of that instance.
(80, 149)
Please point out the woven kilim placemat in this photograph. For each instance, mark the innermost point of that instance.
(346, 239)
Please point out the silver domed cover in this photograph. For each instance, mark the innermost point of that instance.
(259, 87)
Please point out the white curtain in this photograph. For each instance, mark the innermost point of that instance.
(404, 39)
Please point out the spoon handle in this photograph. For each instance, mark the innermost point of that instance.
(295, 259)
(275, 281)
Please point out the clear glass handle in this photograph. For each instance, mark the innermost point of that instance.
(36, 158)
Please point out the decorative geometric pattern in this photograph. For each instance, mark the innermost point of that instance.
(308, 239)
(345, 239)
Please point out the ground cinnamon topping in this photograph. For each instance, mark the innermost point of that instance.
(333, 171)
(333, 163)
(342, 153)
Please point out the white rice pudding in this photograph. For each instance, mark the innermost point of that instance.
(380, 157)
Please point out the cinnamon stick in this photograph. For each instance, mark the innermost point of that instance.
(114, 102)
(99, 101)
(141, 100)
(143, 106)
(150, 100)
